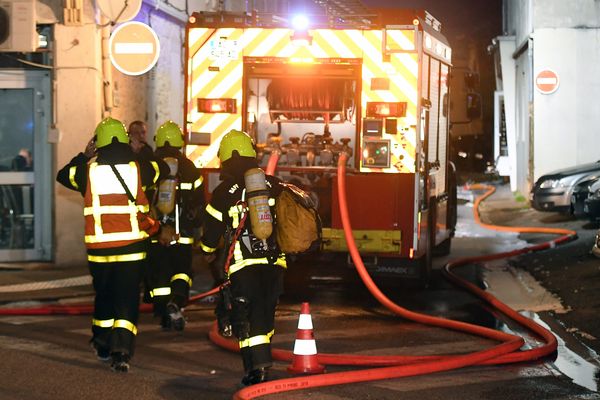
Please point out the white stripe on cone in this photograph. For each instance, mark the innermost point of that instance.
(304, 347)
(305, 322)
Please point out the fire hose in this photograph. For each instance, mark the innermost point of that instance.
(507, 351)
(77, 309)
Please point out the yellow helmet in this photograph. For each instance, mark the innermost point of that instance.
(169, 132)
(108, 129)
(238, 141)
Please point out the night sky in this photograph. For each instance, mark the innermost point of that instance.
(458, 17)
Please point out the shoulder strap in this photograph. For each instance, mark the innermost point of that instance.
(120, 178)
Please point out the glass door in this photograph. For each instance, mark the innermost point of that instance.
(25, 177)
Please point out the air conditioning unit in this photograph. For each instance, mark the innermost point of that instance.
(17, 26)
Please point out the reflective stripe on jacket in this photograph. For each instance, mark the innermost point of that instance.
(110, 217)
(238, 261)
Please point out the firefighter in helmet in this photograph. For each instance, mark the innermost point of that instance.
(257, 265)
(116, 246)
(178, 205)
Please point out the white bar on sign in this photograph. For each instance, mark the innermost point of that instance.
(134, 48)
(546, 81)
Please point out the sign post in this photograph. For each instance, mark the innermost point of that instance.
(134, 48)
(546, 81)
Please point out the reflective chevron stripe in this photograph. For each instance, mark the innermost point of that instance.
(225, 81)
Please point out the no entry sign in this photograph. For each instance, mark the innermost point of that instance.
(134, 48)
(546, 81)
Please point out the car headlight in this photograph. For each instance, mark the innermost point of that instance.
(550, 183)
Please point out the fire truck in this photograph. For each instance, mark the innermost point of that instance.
(376, 90)
(468, 141)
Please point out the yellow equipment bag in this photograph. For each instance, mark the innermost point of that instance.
(298, 225)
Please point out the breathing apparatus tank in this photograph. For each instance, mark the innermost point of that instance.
(167, 189)
(257, 198)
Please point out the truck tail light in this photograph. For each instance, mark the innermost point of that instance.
(379, 109)
(213, 106)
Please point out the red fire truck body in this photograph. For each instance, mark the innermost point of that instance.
(377, 92)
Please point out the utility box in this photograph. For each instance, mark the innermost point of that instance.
(17, 26)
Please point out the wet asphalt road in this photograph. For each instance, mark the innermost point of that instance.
(47, 357)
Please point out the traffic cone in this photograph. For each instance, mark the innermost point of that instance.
(305, 360)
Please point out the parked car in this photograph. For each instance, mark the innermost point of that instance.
(553, 191)
(581, 192)
(591, 205)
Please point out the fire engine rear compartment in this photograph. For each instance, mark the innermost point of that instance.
(308, 104)
(309, 113)
(378, 95)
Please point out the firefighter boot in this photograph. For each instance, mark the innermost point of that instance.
(223, 313)
(255, 376)
(102, 353)
(120, 362)
(174, 313)
(248, 368)
(165, 322)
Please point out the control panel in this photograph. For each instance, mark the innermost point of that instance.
(376, 153)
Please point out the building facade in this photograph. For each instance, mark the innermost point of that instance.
(545, 64)
(56, 84)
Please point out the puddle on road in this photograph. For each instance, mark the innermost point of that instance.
(518, 292)
(583, 369)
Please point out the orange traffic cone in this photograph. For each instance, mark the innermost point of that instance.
(305, 348)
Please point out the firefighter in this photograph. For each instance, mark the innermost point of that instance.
(137, 136)
(257, 265)
(178, 205)
(116, 247)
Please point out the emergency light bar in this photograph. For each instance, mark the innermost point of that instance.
(213, 106)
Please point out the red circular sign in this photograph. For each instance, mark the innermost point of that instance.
(546, 81)
(134, 48)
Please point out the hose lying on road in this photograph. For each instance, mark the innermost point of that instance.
(83, 309)
(506, 352)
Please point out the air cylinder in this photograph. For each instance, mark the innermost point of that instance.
(167, 189)
(257, 198)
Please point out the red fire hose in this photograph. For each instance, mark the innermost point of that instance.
(82, 309)
(272, 163)
(505, 352)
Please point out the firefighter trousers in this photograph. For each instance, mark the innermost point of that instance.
(169, 275)
(116, 305)
(261, 285)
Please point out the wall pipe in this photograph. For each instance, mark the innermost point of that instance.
(107, 86)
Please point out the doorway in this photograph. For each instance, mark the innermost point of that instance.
(26, 199)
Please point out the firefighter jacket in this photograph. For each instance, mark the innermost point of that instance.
(111, 229)
(146, 154)
(222, 217)
(189, 196)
